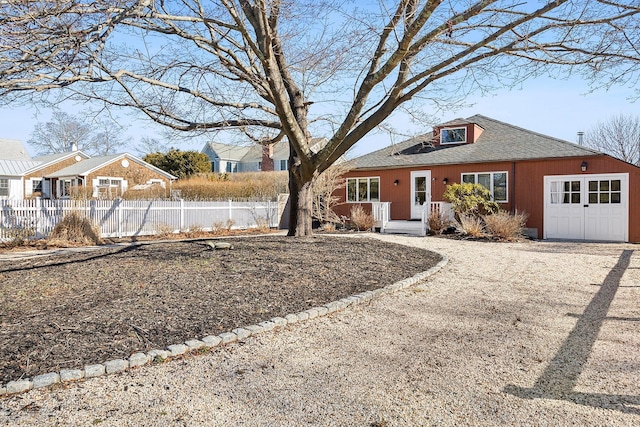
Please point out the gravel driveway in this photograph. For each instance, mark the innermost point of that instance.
(540, 334)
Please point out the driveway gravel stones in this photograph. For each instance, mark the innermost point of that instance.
(504, 335)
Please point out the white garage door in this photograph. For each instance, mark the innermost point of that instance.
(589, 207)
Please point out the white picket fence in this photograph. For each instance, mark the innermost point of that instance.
(120, 218)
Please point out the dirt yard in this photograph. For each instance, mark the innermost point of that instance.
(66, 311)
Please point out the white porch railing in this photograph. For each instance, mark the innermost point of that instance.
(443, 208)
(381, 212)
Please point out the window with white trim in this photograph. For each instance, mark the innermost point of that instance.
(361, 190)
(495, 182)
(109, 188)
(284, 165)
(605, 191)
(566, 192)
(159, 182)
(4, 187)
(453, 136)
(65, 187)
(36, 185)
(232, 167)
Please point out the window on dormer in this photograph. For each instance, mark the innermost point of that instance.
(453, 136)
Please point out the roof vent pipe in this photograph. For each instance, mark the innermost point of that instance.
(580, 138)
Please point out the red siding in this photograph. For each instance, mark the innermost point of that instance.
(525, 185)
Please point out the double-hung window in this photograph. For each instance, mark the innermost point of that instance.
(495, 182)
(109, 188)
(361, 190)
(4, 187)
(284, 165)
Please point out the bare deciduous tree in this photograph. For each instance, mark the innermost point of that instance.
(65, 131)
(324, 187)
(303, 67)
(149, 144)
(107, 139)
(59, 134)
(618, 136)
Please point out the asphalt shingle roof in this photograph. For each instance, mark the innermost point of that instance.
(225, 151)
(498, 142)
(57, 156)
(253, 153)
(83, 167)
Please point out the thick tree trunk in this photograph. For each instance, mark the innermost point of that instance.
(300, 205)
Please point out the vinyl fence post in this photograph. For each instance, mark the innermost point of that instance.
(119, 210)
(230, 212)
(95, 218)
(38, 226)
(182, 214)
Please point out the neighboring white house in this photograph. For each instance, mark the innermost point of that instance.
(252, 158)
(14, 162)
(12, 176)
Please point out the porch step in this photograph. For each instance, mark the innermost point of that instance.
(404, 227)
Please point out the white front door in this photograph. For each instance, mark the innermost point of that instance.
(589, 207)
(420, 192)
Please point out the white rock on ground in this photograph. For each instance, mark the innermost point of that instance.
(507, 334)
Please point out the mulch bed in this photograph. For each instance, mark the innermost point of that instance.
(67, 311)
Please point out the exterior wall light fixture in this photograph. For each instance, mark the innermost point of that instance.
(583, 166)
(396, 182)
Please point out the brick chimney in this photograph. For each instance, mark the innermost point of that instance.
(267, 158)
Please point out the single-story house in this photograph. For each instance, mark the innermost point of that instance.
(569, 191)
(23, 177)
(36, 181)
(252, 158)
(107, 177)
(53, 176)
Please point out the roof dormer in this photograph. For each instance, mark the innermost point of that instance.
(457, 132)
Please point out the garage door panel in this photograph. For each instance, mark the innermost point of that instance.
(590, 207)
(605, 223)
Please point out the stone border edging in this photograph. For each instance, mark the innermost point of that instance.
(239, 334)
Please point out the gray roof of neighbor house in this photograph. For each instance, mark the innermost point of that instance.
(253, 153)
(12, 149)
(87, 166)
(280, 151)
(16, 167)
(225, 151)
(498, 142)
(49, 159)
(83, 167)
(57, 156)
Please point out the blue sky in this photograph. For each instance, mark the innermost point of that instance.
(558, 108)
